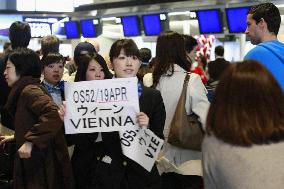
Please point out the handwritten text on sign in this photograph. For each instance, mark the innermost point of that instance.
(141, 145)
(101, 105)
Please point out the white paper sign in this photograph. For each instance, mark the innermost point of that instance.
(101, 105)
(111, 105)
(141, 145)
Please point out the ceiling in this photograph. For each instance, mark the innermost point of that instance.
(117, 8)
(108, 8)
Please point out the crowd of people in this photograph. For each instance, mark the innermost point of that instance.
(240, 108)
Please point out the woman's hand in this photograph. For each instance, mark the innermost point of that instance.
(142, 120)
(25, 150)
(62, 110)
(6, 138)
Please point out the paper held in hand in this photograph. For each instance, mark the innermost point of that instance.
(111, 105)
(101, 105)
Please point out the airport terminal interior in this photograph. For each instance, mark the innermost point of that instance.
(141, 94)
(106, 18)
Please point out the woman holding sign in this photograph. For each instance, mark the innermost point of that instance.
(113, 165)
(42, 159)
(87, 146)
(113, 169)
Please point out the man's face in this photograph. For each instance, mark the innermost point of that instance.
(253, 30)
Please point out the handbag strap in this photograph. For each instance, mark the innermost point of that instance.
(185, 82)
(184, 88)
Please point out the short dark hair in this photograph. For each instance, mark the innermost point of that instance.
(26, 62)
(6, 45)
(83, 64)
(19, 34)
(189, 43)
(219, 50)
(51, 58)
(270, 13)
(49, 44)
(83, 48)
(145, 54)
(128, 45)
(248, 106)
(216, 68)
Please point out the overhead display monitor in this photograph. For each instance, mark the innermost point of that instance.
(152, 24)
(236, 19)
(88, 28)
(209, 21)
(58, 30)
(40, 26)
(71, 30)
(6, 21)
(131, 26)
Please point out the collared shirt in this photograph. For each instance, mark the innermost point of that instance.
(140, 89)
(54, 91)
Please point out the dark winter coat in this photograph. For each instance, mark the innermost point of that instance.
(122, 172)
(36, 120)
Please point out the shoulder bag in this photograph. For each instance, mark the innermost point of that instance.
(185, 130)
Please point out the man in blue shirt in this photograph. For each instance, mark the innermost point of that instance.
(263, 23)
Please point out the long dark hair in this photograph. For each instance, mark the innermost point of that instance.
(248, 106)
(84, 61)
(169, 51)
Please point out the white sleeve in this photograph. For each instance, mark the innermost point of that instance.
(196, 99)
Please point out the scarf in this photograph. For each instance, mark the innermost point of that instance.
(51, 88)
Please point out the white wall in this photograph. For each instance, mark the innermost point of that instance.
(105, 44)
(232, 50)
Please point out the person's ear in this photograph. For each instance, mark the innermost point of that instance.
(262, 23)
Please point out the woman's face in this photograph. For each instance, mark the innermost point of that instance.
(53, 72)
(125, 66)
(94, 71)
(192, 54)
(10, 74)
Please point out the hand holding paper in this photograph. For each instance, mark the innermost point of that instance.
(142, 120)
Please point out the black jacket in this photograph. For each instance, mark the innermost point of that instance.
(122, 172)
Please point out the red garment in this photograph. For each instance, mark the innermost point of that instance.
(200, 72)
